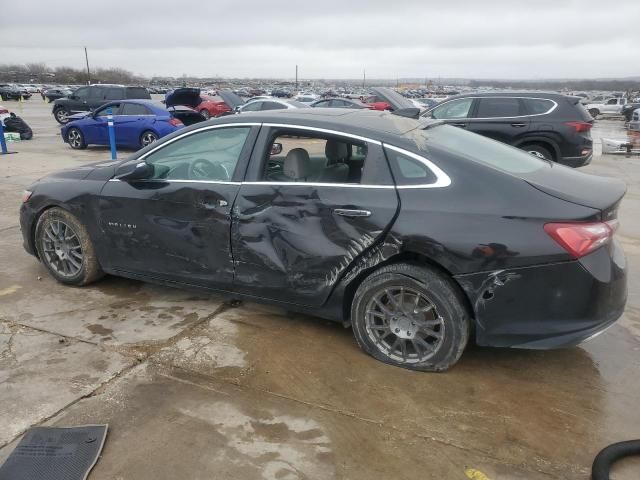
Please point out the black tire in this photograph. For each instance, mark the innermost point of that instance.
(447, 310)
(594, 112)
(53, 257)
(205, 114)
(147, 138)
(75, 139)
(611, 454)
(538, 151)
(61, 115)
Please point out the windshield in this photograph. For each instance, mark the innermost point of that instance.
(476, 148)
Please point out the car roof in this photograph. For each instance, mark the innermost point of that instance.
(374, 124)
(553, 95)
(155, 105)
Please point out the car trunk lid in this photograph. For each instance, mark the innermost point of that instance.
(601, 193)
(183, 96)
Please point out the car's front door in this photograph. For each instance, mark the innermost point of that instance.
(175, 225)
(303, 217)
(501, 118)
(96, 131)
(79, 100)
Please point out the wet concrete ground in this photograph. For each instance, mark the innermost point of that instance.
(195, 388)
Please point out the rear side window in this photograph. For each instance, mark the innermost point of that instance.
(407, 170)
(538, 106)
(272, 106)
(134, 109)
(492, 107)
(137, 92)
(114, 94)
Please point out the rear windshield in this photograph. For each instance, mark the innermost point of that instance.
(476, 148)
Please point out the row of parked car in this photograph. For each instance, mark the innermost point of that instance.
(551, 126)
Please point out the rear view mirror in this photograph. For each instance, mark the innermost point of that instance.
(134, 171)
(276, 149)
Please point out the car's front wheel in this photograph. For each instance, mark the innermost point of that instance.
(61, 115)
(76, 139)
(539, 151)
(64, 246)
(410, 316)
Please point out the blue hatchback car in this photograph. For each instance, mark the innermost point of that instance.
(137, 123)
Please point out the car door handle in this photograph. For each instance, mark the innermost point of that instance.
(463, 125)
(345, 212)
(518, 125)
(214, 205)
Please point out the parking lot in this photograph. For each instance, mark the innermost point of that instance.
(200, 387)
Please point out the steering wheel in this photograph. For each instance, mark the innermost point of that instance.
(203, 169)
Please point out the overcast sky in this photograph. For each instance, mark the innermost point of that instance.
(330, 38)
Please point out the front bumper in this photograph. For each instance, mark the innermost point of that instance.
(548, 306)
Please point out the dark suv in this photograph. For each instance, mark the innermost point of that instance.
(549, 125)
(89, 98)
(9, 91)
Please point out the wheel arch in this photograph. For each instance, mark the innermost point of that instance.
(404, 256)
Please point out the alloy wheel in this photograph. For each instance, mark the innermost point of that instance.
(535, 153)
(148, 138)
(62, 249)
(404, 324)
(62, 116)
(75, 138)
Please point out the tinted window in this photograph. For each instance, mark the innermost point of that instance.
(82, 93)
(134, 109)
(409, 171)
(476, 148)
(272, 106)
(324, 160)
(491, 107)
(338, 103)
(537, 106)
(108, 110)
(113, 94)
(96, 92)
(613, 101)
(137, 92)
(208, 155)
(252, 107)
(454, 109)
(322, 104)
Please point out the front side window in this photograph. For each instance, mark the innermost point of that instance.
(272, 106)
(108, 110)
(454, 109)
(495, 107)
(209, 155)
(315, 159)
(613, 101)
(82, 93)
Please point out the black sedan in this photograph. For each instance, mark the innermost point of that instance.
(415, 233)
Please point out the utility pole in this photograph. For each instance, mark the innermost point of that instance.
(364, 77)
(296, 78)
(86, 57)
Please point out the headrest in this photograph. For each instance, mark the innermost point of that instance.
(297, 164)
(335, 151)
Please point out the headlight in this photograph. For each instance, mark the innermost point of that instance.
(26, 195)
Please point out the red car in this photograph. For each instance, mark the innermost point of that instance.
(206, 105)
(376, 103)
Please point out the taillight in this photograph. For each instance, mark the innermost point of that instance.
(580, 126)
(580, 239)
(175, 122)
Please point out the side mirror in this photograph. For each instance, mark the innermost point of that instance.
(276, 149)
(134, 171)
(237, 109)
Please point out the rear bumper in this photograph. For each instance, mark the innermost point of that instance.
(548, 306)
(576, 162)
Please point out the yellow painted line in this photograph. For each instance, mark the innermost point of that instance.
(10, 290)
(474, 474)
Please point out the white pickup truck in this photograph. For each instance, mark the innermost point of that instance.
(609, 106)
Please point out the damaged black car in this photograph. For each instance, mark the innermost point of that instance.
(417, 234)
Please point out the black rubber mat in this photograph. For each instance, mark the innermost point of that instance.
(55, 453)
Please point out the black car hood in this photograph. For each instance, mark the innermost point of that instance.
(393, 98)
(601, 193)
(183, 96)
(96, 170)
(231, 98)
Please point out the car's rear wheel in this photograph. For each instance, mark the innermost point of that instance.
(147, 138)
(594, 112)
(411, 317)
(65, 249)
(61, 115)
(205, 114)
(539, 151)
(76, 139)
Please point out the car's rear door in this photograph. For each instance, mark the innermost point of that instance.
(297, 227)
(175, 226)
(501, 118)
(130, 122)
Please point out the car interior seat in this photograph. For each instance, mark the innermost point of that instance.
(336, 170)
